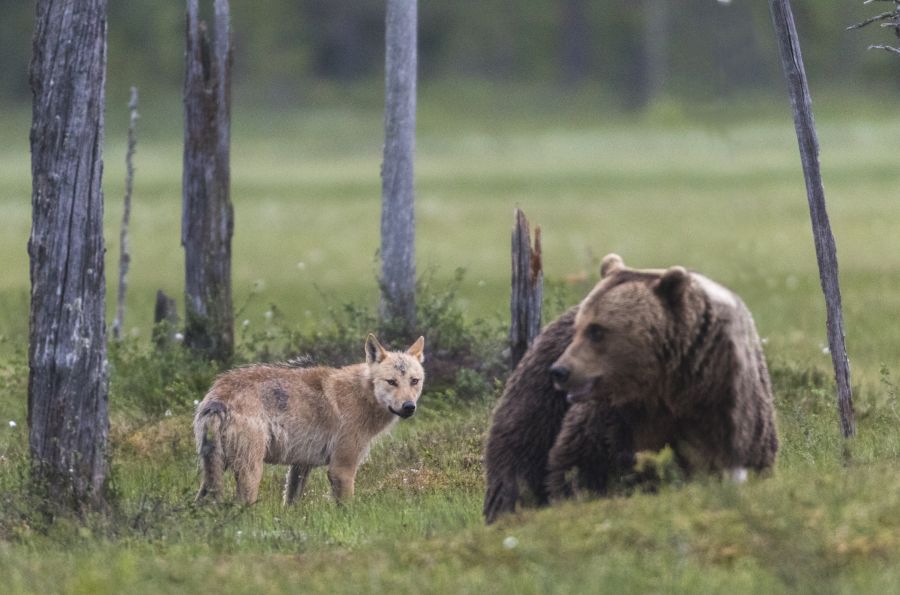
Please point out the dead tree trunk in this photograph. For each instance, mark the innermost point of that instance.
(124, 255)
(652, 56)
(826, 252)
(398, 222)
(165, 321)
(207, 217)
(527, 288)
(576, 41)
(67, 381)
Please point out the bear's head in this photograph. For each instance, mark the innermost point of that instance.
(621, 334)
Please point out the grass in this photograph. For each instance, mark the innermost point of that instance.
(715, 190)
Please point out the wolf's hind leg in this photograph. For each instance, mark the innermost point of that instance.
(248, 479)
(295, 482)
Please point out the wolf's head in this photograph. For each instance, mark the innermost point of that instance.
(396, 375)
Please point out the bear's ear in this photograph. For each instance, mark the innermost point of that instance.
(610, 264)
(374, 351)
(672, 284)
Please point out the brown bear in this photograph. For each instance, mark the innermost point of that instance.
(525, 424)
(649, 358)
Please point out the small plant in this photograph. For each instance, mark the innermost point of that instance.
(153, 381)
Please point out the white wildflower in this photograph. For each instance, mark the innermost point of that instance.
(246, 323)
(510, 542)
(196, 402)
(179, 337)
(168, 413)
(12, 423)
(268, 315)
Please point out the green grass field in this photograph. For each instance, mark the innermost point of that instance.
(718, 190)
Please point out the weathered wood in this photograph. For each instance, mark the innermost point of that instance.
(165, 320)
(124, 255)
(398, 223)
(826, 252)
(527, 288)
(207, 216)
(67, 380)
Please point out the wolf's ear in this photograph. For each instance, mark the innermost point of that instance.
(374, 351)
(673, 283)
(417, 349)
(610, 264)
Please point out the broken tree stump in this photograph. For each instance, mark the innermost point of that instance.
(527, 288)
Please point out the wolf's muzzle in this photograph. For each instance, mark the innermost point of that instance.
(406, 410)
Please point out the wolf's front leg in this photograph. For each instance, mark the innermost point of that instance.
(295, 482)
(342, 478)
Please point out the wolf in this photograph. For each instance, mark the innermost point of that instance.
(303, 417)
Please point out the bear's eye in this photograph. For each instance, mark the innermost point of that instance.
(392, 382)
(413, 381)
(595, 332)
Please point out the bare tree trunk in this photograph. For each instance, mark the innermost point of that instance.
(124, 255)
(652, 56)
(826, 252)
(165, 321)
(527, 288)
(398, 229)
(207, 218)
(67, 381)
(576, 41)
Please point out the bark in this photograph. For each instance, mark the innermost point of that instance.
(124, 255)
(165, 320)
(67, 381)
(398, 241)
(826, 252)
(527, 288)
(652, 57)
(207, 216)
(576, 41)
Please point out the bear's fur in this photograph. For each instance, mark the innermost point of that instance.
(525, 424)
(649, 358)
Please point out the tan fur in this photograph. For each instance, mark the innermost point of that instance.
(302, 417)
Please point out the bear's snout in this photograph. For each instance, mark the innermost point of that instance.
(559, 375)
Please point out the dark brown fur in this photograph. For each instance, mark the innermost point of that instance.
(525, 423)
(679, 360)
(688, 371)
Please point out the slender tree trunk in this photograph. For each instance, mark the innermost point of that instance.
(576, 41)
(67, 381)
(826, 252)
(207, 219)
(527, 288)
(398, 222)
(652, 56)
(124, 255)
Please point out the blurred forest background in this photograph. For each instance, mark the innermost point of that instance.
(632, 50)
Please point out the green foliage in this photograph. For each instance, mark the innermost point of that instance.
(715, 189)
(286, 51)
(153, 381)
(461, 356)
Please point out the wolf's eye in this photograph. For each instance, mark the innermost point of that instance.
(392, 382)
(595, 332)
(413, 381)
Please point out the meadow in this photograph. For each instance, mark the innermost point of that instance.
(716, 188)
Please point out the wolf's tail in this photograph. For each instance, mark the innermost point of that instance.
(208, 425)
